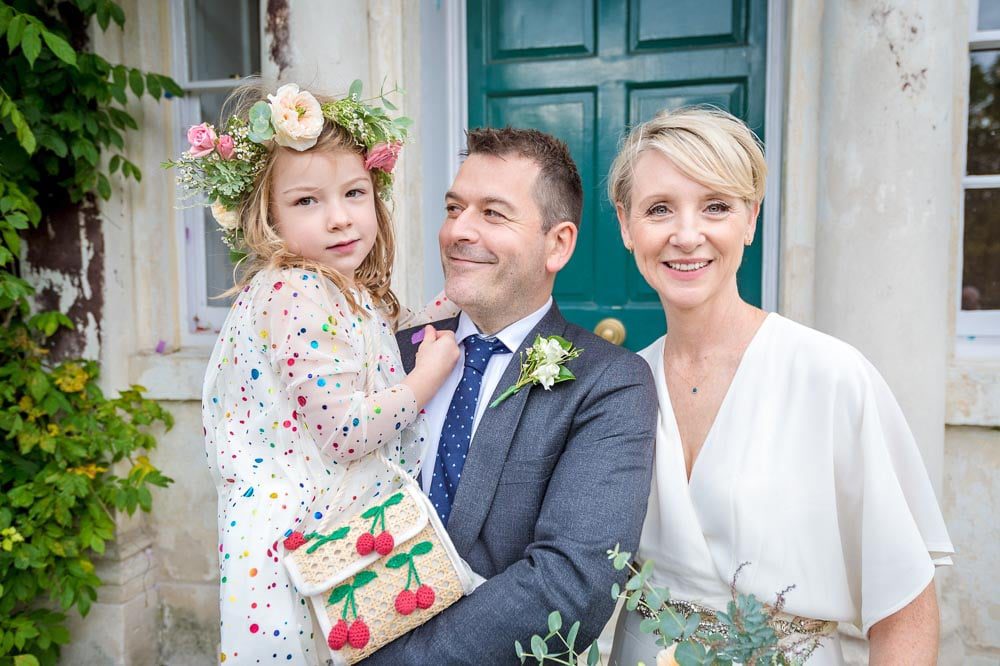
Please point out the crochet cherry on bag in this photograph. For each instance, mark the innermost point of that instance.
(294, 540)
(384, 543)
(406, 602)
(425, 597)
(338, 635)
(358, 635)
(365, 544)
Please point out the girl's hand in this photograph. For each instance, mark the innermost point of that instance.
(436, 357)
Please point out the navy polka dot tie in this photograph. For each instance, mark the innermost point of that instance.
(456, 435)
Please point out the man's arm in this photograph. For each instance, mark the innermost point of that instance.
(597, 497)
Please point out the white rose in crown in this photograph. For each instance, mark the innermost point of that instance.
(296, 117)
(227, 219)
(545, 364)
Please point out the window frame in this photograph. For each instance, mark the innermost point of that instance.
(201, 319)
(978, 331)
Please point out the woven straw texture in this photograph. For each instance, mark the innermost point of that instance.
(376, 600)
(323, 565)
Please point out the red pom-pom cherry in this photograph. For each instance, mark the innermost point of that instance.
(384, 543)
(425, 596)
(406, 602)
(365, 544)
(338, 636)
(358, 634)
(294, 540)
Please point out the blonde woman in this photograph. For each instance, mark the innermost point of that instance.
(776, 445)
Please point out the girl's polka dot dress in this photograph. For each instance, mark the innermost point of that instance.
(298, 393)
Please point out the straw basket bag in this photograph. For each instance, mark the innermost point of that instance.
(410, 574)
(376, 576)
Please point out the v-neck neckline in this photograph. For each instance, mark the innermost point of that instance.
(662, 378)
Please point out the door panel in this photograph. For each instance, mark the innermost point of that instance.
(586, 70)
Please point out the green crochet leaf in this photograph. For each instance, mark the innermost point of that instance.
(338, 594)
(421, 548)
(363, 578)
(397, 561)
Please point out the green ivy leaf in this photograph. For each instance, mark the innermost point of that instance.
(60, 47)
(15, 30)
(136, 82)
(31, 43)
(103, 186)
(26, 660)
(153, 85)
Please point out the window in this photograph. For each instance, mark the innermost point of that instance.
(217, 43)
(980, 297)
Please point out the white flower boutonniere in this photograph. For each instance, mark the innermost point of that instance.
(545, 365)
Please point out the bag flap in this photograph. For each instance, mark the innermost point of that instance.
(330, 556)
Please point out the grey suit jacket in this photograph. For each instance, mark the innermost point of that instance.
(552, 480)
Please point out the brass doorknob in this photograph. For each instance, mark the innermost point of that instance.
(611, 329)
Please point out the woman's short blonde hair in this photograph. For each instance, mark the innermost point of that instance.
(708, 145)
(267, 250)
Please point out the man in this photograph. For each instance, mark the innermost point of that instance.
(548, 480)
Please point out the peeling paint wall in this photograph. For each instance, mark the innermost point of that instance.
(64, 260)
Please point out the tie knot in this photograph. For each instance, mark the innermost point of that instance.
(478, 351)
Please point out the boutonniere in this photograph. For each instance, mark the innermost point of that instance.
(545, 364)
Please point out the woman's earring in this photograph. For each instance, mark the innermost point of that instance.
(748, 241)
(629, 248)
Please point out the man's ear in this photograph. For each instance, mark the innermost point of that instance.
(560, 241)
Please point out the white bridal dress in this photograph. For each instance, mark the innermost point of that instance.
(810, 474)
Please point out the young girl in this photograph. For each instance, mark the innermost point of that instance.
(305, 383)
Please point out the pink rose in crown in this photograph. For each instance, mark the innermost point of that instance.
(202, 139)
(226, 146)
(383, 156)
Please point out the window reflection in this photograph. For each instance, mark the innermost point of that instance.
(989, 15)
(223, 39)
(981, 265)
(984, 113)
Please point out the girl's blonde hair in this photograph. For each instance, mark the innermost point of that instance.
(708, 145)
(267, 250)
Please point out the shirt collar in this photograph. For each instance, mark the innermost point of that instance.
(513, 336)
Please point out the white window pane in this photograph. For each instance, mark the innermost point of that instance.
(981, 255)
(223, 38)
(989, 15)
(218, 266)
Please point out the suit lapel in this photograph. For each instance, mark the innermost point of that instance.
(408, 348)
(491, 444)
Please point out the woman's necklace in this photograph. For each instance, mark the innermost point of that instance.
(693, 385)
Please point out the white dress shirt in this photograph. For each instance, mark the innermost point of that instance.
(436, 410)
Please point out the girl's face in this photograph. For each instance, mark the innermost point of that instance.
(688, 239)
(324, 207)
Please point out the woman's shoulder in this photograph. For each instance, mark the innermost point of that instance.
(821, 356)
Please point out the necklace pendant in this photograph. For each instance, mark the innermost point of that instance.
(694, 389)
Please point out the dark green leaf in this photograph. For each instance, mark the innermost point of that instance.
(571, 636)
(60, 47)
(136, 82)
(116, 162)
(15, 30)
(593, 654)
(153, 85)
(117, 14)
(31, 43)
(371, 512)
(103, 187)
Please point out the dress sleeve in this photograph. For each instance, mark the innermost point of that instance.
(439, 307)
(318, 350)
(894, 533)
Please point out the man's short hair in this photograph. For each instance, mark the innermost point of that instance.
(558, 190)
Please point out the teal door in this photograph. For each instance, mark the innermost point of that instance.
(584, 70)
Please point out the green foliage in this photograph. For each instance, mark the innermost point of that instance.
(750, 638)
(71, 456)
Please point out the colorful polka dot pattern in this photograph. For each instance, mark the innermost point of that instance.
(293, 404)
(456, 434)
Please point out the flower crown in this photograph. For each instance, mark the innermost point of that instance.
(224, 166)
